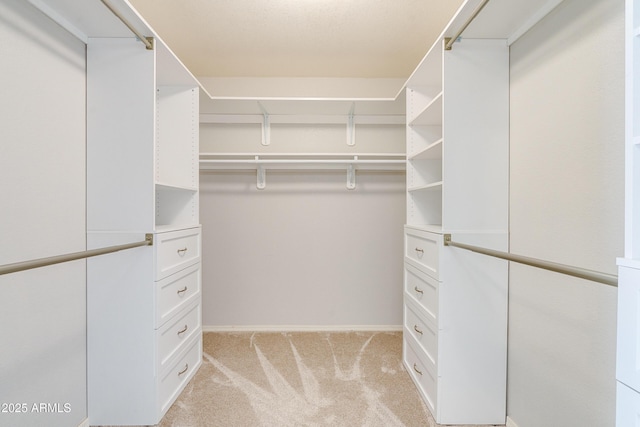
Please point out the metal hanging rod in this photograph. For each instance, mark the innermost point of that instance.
(596, 276)
(449, 41)
(148, 41)
(43, 262)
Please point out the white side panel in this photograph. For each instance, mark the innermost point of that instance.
(120, 131)
(627, 406)
(628, 355)
(472, 351)
(121, 341)
(476, 139)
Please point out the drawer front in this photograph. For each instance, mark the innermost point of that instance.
(177, 332)
(422, 374)
(423, 290)
(176, 250)
(175, 292)
(425, 333)
(423, 247)
(174, 379)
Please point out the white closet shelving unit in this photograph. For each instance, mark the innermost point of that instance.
(302, 113)
(628, 353)
(455, 314)
(144, 305)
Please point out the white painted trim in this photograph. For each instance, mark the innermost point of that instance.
(301, 328)
(511, 423)
(84, 423)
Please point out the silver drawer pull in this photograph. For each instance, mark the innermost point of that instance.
(416, 369)
(182, 251)
(415, 328)
(180, 291)
(417, 289)
(420, 250)
(186, 367)
(183, 330)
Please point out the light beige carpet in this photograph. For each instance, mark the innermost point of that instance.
(300, 379)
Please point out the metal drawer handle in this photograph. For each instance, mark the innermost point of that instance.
(182, 290)
(183, 330)
(186, 367)
(416, 369)
(417, 289)
(415, 328)
(182, 251)
(420, 250)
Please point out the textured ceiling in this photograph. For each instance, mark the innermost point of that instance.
(299, 38)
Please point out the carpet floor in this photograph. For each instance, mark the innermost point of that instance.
(296, 379)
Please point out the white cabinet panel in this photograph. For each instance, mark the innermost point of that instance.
(627, 407)
(628, 354)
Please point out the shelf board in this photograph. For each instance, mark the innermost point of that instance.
(436, 186)
(431, 114)
(432, 228)
(174, 227)
(170, 187)
(433, 151)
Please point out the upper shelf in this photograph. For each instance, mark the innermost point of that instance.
(302, 107)
(499, 19)
(88, 19)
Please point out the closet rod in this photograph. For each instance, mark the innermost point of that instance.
(148, 41)
(42, 262)
(596, 276)
(451, 40)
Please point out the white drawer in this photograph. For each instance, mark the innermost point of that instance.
(176, 332)
(425, 333)
(423, 248)
(175, 292)
(422, 373)
(422, 289)
(176, 250)
(174, 379)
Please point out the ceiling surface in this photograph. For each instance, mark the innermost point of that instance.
(299, 38)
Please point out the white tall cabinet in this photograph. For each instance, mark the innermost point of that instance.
(144, 333)
(456, 301)
(628, 352)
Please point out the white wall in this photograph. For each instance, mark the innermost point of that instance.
(42, 213)
(305, 252)
(567, 123)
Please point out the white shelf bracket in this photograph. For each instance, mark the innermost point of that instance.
(351, 127)
(351, 175)
(261, 176)
(266, 126)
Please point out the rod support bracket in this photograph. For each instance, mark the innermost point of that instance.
(447, 239)
(149, 238)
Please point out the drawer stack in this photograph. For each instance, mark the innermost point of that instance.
(178, 311)
(421, 307)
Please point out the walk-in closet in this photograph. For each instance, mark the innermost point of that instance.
(319, 213)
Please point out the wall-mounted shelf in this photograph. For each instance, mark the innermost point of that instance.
(303, 161)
